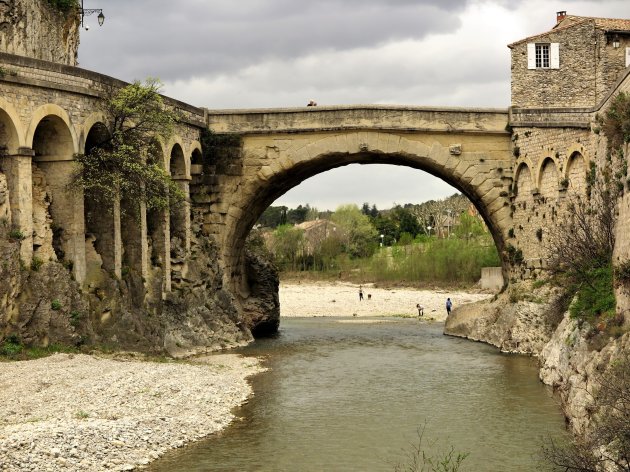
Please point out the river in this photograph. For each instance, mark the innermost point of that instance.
(350, 395)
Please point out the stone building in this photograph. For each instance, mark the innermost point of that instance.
(575, 64)
(562, 80)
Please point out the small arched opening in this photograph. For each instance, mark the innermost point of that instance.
(576, 174)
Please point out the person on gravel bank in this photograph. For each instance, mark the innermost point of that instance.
(449, 306)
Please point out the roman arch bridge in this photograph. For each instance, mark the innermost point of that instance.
(468, 148)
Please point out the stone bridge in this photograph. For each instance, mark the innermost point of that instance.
(468, 148)
(49, 112)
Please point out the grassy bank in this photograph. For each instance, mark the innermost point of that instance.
(432, 262)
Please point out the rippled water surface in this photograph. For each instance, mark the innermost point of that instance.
(344, 395)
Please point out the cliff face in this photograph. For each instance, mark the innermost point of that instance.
(34, 28)
(43, 305)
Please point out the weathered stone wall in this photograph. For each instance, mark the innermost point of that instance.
(34, 28)
(551, 169)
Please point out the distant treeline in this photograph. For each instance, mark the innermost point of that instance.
(436, 241)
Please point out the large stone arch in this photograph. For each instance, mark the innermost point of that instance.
(281, 171)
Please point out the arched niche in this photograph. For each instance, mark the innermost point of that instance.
(523, 183)
(548, 184)
(576, 174)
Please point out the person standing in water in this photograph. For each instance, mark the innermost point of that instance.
(449, 306)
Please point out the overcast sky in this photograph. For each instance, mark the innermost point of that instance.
(281, 53)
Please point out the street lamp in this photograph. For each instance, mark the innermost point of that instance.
(429, 230)
(90, 11)
(382, 236)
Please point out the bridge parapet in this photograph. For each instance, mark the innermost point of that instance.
(357, 117)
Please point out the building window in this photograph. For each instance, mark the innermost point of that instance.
(542, 56)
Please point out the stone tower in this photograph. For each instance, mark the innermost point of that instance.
(38, 29)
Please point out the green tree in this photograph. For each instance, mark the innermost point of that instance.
(469, 227)
(129, 165)
(360, 235)
(288, 246)
(273, 216)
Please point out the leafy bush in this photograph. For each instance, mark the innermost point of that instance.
(596, 297)
(55, 305)
(616, 123)
(11, 346)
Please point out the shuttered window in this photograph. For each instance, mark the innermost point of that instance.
(543, 56)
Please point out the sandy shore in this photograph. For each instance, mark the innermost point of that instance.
(86, 413)
(342, 299)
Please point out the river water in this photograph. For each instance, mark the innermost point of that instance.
(346, 395)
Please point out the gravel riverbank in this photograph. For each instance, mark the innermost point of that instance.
(85, 413)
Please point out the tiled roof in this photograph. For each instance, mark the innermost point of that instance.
(571, 20)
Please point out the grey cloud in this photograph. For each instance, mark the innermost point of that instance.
(172, 40)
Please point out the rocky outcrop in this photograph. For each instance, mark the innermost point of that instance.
(35, 28)
(519, 320)
(572, 367)
(262, 308)
(42, 305)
